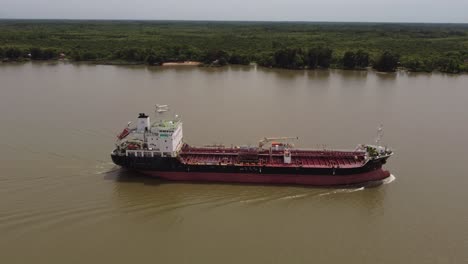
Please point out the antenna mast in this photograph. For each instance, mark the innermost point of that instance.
(160, 110)
(380, 133)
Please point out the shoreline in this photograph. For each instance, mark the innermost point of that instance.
(184, 63)
(200, 64)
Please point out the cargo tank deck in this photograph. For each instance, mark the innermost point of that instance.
(265, 158)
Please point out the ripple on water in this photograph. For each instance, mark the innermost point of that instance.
(145, 201)
(58, 197)
(52, 218)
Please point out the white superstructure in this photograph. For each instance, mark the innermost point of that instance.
(165, 137)
(162, 138)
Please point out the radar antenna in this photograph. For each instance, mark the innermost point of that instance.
(162, 108)
(380, 133)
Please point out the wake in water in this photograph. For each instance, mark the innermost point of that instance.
(106, 167)
(347, 190)
(388, 180)
(294, 196)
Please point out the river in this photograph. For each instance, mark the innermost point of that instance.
(63, 201)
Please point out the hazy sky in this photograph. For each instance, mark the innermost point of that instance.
(455, 11)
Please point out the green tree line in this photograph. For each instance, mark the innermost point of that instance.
(298, 45)
(288, 58)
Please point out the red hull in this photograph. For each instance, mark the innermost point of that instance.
(314, 180)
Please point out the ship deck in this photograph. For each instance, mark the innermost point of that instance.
(275, 158)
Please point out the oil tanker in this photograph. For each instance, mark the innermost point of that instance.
(158, 149)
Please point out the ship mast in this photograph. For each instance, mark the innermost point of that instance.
(380, 133)
(160, 111)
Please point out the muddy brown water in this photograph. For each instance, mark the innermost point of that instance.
(63, 201)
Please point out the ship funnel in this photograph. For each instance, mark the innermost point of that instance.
(143, 122)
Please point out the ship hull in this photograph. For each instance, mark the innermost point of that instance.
(287, 179)
(172, 169)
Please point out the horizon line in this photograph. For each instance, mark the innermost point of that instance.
(215, 20)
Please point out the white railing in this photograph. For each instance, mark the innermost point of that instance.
(149, 153)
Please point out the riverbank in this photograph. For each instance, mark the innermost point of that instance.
(386, 62)
(184, 63)
(199, 64)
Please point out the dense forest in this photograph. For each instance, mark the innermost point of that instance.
(292, 45)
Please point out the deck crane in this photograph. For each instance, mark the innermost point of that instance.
(263, 141)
